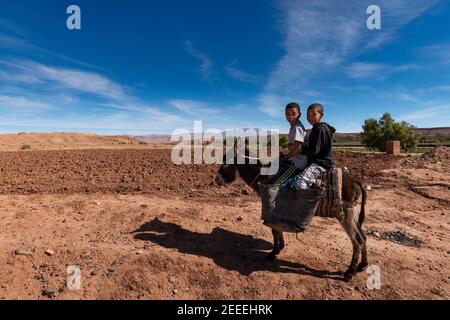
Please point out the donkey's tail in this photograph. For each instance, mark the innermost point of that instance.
(362, 214)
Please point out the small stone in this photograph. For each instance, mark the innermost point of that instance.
(240, 218)
(21, 252)
(49, 252)
(175, 291)
(94, 273)
(49, 292)
(144, 206)
(245, 192)
(376, 234)
(172, 280)
(139, 252)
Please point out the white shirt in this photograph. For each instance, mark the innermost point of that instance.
(298, 133)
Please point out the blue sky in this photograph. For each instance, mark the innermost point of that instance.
(143, 67)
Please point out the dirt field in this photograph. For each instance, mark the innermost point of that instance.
(140, 227)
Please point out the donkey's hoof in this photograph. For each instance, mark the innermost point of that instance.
(271, 256)
(348, 275)
(362, 266)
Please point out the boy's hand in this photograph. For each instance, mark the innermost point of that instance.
(294, 149)
(291, 146)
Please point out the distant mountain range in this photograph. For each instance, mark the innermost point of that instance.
(426, 132)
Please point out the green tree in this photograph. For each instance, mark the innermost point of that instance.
(284, 141)
(376, 133)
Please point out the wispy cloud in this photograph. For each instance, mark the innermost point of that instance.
(241, 75)
(440, 110)
(123, 122)
(321, 36)
(28, 71)
(395, 15)
(271, 104)
(438, 53)
(195, 108)
(19, 103)
(206, 64)
(33, 94)
(442, 88)
(146, 110)
(17, 39)
(360, 70)
(15, 77)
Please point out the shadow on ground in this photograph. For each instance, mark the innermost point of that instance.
(229, 250)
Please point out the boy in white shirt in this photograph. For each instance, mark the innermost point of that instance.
(294, 161)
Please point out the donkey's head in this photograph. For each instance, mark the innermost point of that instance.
(243, 166)
(227, 173)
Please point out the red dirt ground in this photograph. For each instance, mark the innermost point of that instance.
(140, 227)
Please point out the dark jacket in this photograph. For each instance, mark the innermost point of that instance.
(319, 145)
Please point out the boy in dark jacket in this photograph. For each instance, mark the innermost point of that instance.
(318, 149)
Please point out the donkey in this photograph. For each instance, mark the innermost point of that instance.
(352, 189)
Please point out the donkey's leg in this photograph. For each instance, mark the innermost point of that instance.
(364, 261)
(281, 240)
(351, 228)
(278, 244)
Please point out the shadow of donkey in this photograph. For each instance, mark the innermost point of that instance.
(229, 250)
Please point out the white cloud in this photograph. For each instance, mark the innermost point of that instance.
(396, 14)
(320, 36)
(23, 45)
(241, 75)
(18, 102)
(270, 104)
(442, 88)
(360, 70)
(8, 41)
(436, 111)
(206, 63)
(19, 78)
(146, 111)
(195, 108)
(438, 53)
(74, 79)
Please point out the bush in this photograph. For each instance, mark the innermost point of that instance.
(25, 147)
(284, 141)
(376, 133)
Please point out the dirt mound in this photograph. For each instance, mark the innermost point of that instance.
(64, 141)
(367, 166)
(439, 156)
